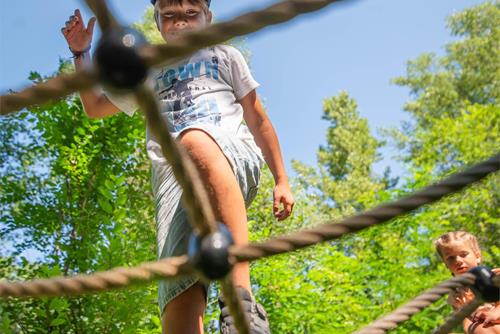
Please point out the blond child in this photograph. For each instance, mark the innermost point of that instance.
(460, 252)
(205, 97)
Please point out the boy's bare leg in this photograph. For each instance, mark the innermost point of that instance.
(229, 207)
(223, 189)
(185, 313)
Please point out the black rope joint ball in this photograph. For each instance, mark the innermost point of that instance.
(210, 254)
(119, 64)
(484, 287)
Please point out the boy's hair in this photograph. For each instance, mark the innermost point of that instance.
(451, 237)
(205, 4)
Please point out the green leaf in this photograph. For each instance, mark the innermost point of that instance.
(57, 304)
(57, 322)
(81, 131)
(121, 200)
(109, 184)
(105, 192)
(105, 205)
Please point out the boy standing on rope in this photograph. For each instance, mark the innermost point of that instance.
(205, 97)
(460, 252)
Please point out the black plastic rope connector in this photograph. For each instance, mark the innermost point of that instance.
(210, 254)
(119, 65)
(484, 287)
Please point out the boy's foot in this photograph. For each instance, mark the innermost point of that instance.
(254, 311)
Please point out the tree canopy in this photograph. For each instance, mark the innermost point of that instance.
(75, 198)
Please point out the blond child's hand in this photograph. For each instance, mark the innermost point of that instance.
(77, 36)
(460, 298)
(489, 317)
(283, 201)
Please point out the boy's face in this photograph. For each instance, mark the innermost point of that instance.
(174, 19)
(459, 257)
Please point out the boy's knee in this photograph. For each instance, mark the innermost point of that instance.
(201, 146)
(194, 139)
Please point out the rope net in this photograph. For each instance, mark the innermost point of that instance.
(196, 200)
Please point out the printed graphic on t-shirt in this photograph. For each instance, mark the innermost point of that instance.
(180, 90)
(203, 112)
(182, 94)
(190, 71)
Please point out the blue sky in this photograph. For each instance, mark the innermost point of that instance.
(358, 47)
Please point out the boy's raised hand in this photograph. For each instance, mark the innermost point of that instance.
(77, 36)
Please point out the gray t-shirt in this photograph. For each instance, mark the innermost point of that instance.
(201, 91)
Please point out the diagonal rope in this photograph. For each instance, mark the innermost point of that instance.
(405, 312)
(185, 172)
(457, 317)
(155, 55)
(368, 218)
(358, 222)
(194, 195)
(105, 18)
(233, 301)
(100, 281)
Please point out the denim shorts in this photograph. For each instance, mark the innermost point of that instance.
(172, 225)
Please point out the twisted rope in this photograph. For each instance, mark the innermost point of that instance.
(155, 55)
(43, 92)
(239, 26)
(105, 18)
(194, 195)
(406, 311)
(368, 218)
(112, 279)
(233, 301)
(363, 220)
(457, 317)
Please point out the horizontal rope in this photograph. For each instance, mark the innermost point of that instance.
(97, 282)
(358, 222)
(220, 32)
(52, 89)
(361, 221)
(405, 312)
(155, 55)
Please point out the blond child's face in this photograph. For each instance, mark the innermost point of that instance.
(459, 257)
(175, 19)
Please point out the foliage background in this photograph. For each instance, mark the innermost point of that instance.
(77, 190)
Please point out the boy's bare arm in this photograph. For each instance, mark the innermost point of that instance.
(79, 38)
(261, 128)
